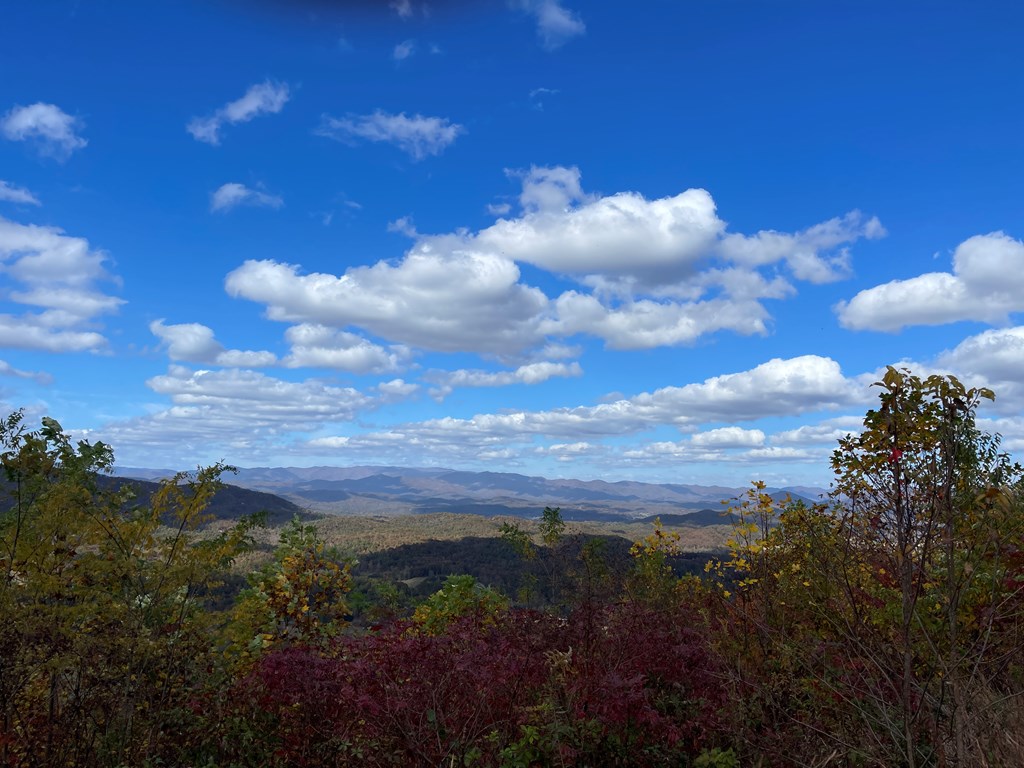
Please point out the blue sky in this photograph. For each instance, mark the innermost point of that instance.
(663, 241)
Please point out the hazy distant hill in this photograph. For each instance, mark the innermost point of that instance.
(229, 503)
(402, 490)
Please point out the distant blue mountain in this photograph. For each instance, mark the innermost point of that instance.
(383, 489)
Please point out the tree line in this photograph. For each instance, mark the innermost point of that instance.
(881, 628)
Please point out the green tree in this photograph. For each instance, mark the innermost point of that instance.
(299, 597)
(105, 626)
(547, 556)
(893, 614)
(652, 579)
(932, 506)
(459, 596)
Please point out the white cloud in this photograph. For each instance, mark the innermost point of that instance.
(803, 385)
(802, 251)
(51, 129)
(232, 195)
(658, 453)
(232, 413)
(532, 373)
(997, 355)
(658, 274)
(729, 437)
(58, 274)
(645, 324)
(827, 432)
(264, 98)
(775, 453)
(577, 448)
(647, 243)
(40, 377)
(556, 24)
(450, 303)
(986, 284)
(417, 136)
(554, 351)
(404, 50)
(403, 225)
(993, 359)
(330, 443)
(397, 389)
(317, 346)
(1010, 429)
(778, 387)
(32, 332)
(268, 400)
(195, 343)
(13, 194)
(554, 189)
(567, 452)
(498, 209)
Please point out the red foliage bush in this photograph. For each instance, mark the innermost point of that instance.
(401, 698)
(604, 684)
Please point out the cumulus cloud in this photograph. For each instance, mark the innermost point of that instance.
(993, 359)
(986, 284)
(52, 130)
(397, 389)
(449, 303)
(567, 452)
(57, 275)
(658, 453)
(270, 400)
(645, 324)
(650, 273)
(779, 387)
(232, 195)
(13, 194)
(596, 433)
(651, 242)
(264, 98)
(776, 453)
(417, 136)
(195, 343)
(317, 346)
(729, 437)
(556, 24)
(330, 443)
(825, 433)
(532, 373)
(995, 355)
(803, 250)
(230, 412)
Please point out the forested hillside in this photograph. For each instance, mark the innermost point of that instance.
(882, 628)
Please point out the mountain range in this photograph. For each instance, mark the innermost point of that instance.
(385, 490)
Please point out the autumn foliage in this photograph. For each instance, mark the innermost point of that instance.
(882, 628)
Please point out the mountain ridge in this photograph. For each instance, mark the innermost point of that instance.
(392, 490)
